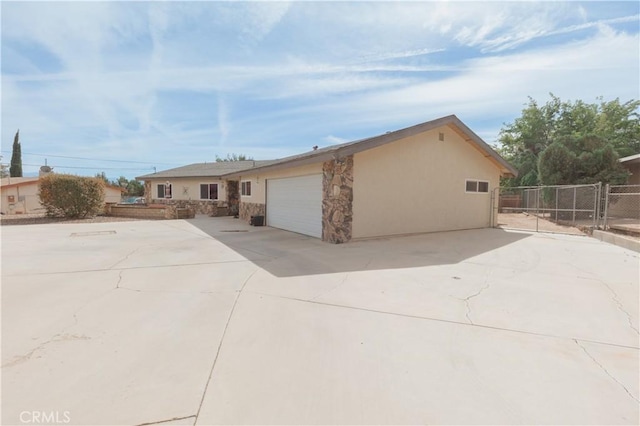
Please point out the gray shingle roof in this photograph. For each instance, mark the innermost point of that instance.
(235, 168)
(213, 169)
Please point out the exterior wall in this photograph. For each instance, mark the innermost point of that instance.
(634, 169)
(186, 189)
(25, 198)
(185, 193)
(251, 209)
(151, 212)
(256, 203)
(337, 200)
(417, 185)
(112, 195)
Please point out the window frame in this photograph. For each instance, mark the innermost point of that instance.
(164, 191)
(477, 183)
(243, 188)
(209, 190)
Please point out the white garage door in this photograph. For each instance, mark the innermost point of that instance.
(295, 204)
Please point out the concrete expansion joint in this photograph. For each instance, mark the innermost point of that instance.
(606, 371)
(224, 333)
(193, 416)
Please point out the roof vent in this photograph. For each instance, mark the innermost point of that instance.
(315, 147)
(441, 137)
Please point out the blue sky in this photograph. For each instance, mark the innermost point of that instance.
(167, 84)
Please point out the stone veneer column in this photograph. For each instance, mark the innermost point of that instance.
(337, 200)
(147, 191)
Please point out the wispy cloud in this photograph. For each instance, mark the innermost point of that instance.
(188, 80)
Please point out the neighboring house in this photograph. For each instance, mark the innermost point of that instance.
(435, 176)
(632, 164)
(20, 195)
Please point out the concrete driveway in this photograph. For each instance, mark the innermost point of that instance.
(209, 321)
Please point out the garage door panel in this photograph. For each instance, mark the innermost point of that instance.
(295, 204)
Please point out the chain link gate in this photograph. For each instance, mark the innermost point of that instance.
(622, 208)
(571, 209)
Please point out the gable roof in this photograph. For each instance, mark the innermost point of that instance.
(236, 168)
(209, 170)
(350, 148)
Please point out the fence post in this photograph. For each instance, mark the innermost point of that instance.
(606, 206)
(557, 204)
(537, 207)
(574, 205)
(596, 218)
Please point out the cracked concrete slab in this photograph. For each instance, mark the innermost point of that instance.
(480, 326)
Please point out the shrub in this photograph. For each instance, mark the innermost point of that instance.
(71, 196)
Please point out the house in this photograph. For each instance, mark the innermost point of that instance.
(434, 176)
(200, 186)
(19, 195)
(632, 164)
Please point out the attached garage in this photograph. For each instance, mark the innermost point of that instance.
(431, 177)
(295, 204)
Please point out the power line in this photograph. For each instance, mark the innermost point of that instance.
(93, 168)
(93, 159)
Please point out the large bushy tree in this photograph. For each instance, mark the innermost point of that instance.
(613, 126)
(15, 170)
(71, 196)
(587, 159)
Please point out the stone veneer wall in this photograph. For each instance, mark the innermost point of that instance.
(337, 200)
(211, 208)
(251, 209)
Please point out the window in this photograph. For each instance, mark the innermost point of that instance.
(208, 191)
(476, 186)
(246, 188)
(164, 190)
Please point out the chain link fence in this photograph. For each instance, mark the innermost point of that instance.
(559, 208)
(622, 208)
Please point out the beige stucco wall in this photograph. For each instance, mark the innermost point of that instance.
(31, 202)
(259, 180)
(25, 199)
(417, 184)
(112, 195)
(188, 188)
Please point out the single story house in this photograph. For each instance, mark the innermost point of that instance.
(434, 176)
(19, 195)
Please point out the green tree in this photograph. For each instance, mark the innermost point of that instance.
(523, 141)
(581, 160)
(4, 171)
(103, 177)
(16, 157)
(233, 157)
(135, 188)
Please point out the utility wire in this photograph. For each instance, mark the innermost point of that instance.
(91, 168)
(94, 159)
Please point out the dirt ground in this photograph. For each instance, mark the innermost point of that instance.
(528, 222)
